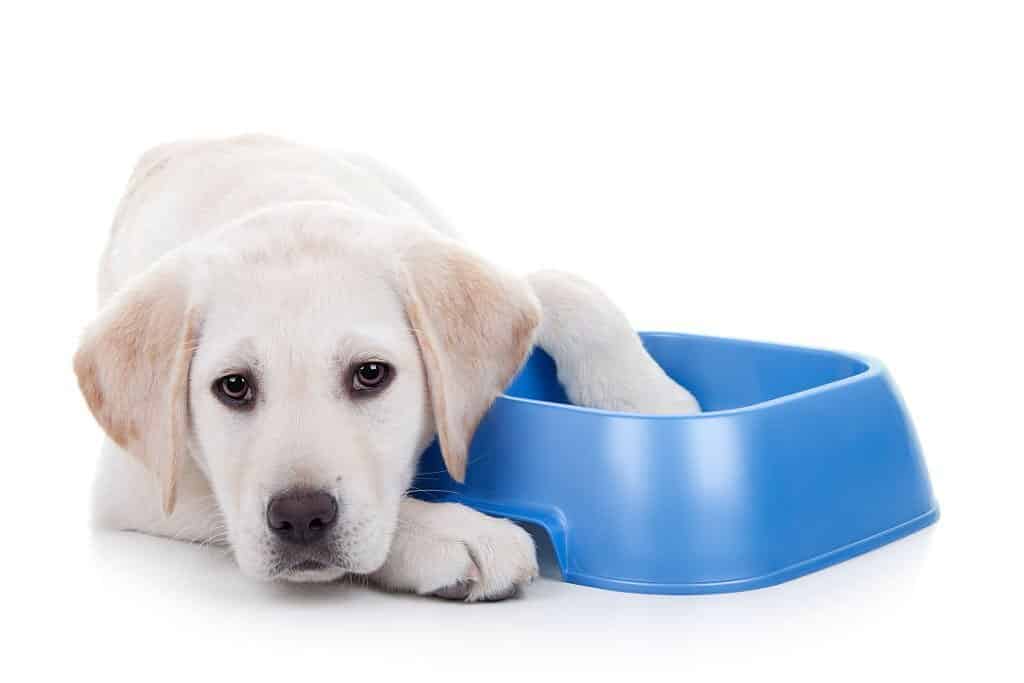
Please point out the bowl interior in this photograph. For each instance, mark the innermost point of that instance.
(722, 373)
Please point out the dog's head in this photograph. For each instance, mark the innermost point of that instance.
(303, 362)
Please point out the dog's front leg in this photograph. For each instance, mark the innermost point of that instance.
(126, 497)
(601, 361)
(452, 551)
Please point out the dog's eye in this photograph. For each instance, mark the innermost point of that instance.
(234, 390)
(371, 376)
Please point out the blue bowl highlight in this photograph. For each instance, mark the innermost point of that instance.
(803, 458)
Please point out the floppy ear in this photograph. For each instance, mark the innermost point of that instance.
(132, 368)
(475, 327)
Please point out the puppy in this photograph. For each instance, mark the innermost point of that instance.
(283, 331)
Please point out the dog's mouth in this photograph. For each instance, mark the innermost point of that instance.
(309, 569)
(308, 566)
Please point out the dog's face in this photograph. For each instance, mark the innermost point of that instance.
(309, 406)
(304, 373)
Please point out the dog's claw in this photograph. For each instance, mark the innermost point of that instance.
(463, 588)
(456, 591)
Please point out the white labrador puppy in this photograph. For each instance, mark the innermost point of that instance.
(283, 331)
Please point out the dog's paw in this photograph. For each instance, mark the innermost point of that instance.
(501, 560)
(450, 551)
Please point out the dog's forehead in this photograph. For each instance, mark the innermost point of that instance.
(304, 289)
(316, 304)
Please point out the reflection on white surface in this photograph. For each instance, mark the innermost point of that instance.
(158, 594)
(132, 570)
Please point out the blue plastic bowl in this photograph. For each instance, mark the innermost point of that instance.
(803, 458)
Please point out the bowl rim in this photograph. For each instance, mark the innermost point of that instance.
(872, 368)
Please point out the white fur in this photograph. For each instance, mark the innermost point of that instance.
(601, 361)
(294, 259)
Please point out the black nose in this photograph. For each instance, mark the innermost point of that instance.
(302, 516)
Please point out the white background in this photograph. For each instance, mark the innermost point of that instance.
(844, 175)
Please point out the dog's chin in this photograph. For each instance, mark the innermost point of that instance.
(311, 572)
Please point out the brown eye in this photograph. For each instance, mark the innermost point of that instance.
(370, 376)
(235, 390)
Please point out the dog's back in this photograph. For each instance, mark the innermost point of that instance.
(182, 190)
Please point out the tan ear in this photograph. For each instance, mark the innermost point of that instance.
(133, 366)
(475, 327)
